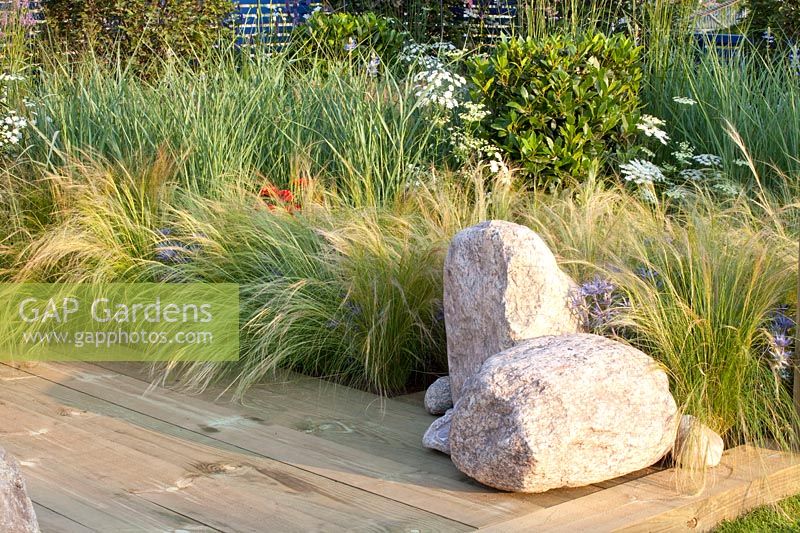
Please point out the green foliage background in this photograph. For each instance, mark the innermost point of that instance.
(139, 31)
(324, 36)
(561, 104)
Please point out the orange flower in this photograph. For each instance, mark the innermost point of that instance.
(274, 197)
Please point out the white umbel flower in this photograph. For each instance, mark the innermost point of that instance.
(651, 126)
(684, 100)
(641, 172)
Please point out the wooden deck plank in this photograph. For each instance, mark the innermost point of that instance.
(67, 489)
(53, 522)
(424, 489)
(363, 421)
(416, 399)
(745, 479)
(377, 425)
(383, 427)
(167, 426)
(90, 506)
(390, 427)
(242, 488)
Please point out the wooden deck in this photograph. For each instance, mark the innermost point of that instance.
(101, 451)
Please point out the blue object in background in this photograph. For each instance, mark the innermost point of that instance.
(270, 21)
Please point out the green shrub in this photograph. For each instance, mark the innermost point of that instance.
(342, 36)
(780, 17)
(140, 31)
(559, 105)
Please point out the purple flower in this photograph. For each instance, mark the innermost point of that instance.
(781, 341)
(650, 275)
(598, 287)
(373, 65)
(780, 320)
(174, 251)
(354, 308)
(596, 304)
(780, 351)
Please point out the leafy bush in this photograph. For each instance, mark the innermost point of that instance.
(340, 36)
(139, 31)
(780, 17)
(560, 105)
(423, 19)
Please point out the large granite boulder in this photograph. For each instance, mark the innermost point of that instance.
(438, 397)
(502, 285)
(697, 445)
(562, 411)
(16, 509)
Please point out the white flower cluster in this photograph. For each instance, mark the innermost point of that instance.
(684, 174)
(708, 160)
(373, 66)
(438, 88)
(467, 146)
(498, 167)
(412, 51)
(684, 153)
(642, 172)
(474, 113)
(684, 100)
(651, 126)
(692, 174)
(11, 129)
(430, 56)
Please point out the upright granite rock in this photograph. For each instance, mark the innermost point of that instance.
(438, 397)
(697, 445)
(501, 285)
(16, 509)
(562, 411)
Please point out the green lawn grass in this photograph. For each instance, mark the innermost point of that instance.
(783, 517)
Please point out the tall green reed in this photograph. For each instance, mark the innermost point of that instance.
(756, 96)
(238, 120)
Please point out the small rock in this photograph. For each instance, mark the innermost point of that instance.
(697, 445)
(502, 285)
(16, 509)
(562, 411)
(438, 435)
(438, 398)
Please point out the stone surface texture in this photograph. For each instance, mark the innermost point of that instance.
(562, 411)
(438, 435)
(16, 509)
(697, 445)
(438, 398)
(502, 285)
